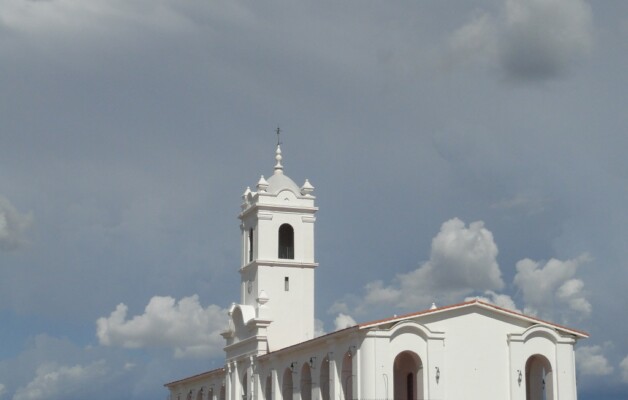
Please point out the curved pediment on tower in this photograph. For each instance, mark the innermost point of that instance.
(241, 316)
(247, 333)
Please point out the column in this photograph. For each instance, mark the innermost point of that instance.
(334, 378)
(275, 383)
(228, 383)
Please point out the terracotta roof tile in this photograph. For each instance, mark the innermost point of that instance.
(467, 304)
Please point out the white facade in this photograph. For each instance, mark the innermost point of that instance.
(472, 350)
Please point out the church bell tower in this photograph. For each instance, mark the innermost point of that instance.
(277, 262)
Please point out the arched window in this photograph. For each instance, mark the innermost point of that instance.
(306, 382)
(245, 386)
(286, 242)
(250, 244)
(286, 385)
(268, 390)
(539, 379)
(347, 376)
(408, 376)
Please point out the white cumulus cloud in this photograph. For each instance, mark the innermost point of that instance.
(54, 381)
(463, 265)
(499, 299)
(463, 260)
(185, 326)
(550, 290)
(3, 389)
(319, 327)
(343, 321)
(591, 361)
(527, 39)
(624, 369)
(13, 226)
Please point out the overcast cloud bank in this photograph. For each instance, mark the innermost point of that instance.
(132, 127)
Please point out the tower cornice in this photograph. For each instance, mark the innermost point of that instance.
(277, 207)
(278, 263)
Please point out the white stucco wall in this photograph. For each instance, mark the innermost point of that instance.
(476, 354)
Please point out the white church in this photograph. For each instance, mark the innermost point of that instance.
(467, 351)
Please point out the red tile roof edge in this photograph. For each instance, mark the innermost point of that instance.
(467, 304)
(213, 371)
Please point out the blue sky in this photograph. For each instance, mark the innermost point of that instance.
(458, 149)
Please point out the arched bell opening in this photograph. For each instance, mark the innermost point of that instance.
(286, 242)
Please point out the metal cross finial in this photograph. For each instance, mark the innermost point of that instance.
(278, 132)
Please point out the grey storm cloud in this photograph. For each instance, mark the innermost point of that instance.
(527, 39)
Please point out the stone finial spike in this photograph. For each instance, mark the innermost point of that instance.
(262, 185)
(278, 157)
(307, 188)
(245, 198)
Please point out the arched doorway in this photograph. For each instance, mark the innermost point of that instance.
(286, 385)
(324, 379)
(539, 378)
(245, 387)
(306, 382)
(268, 389)
(346, 376)
(408, 376)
